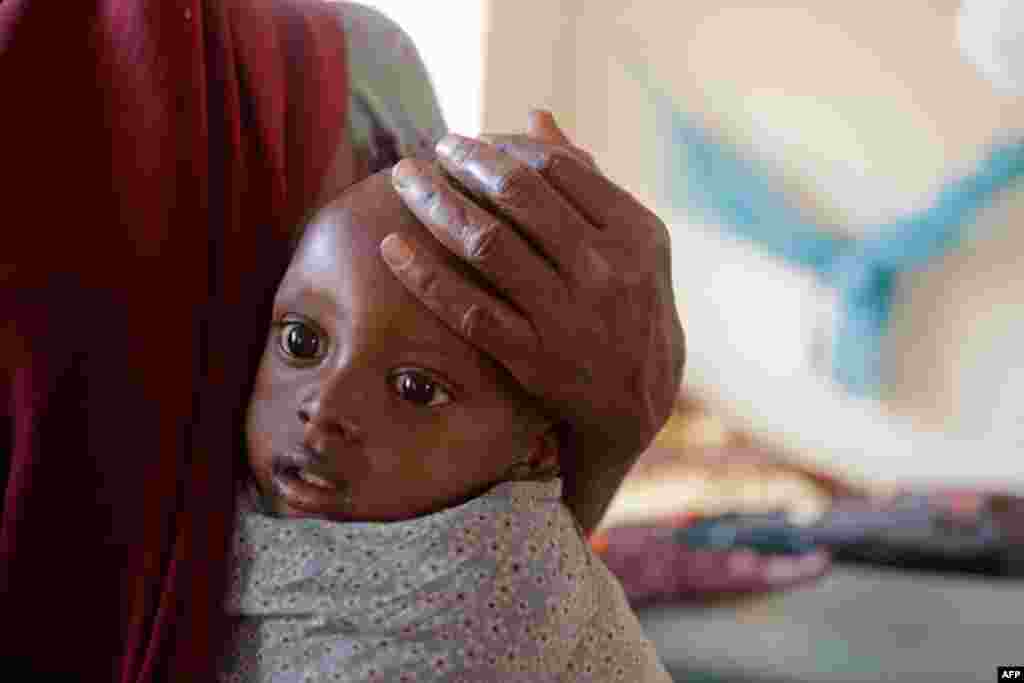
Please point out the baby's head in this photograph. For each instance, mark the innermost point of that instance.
(366, 407)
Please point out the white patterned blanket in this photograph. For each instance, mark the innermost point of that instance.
(501, 588)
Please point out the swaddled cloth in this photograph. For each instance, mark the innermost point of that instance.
(500, 588)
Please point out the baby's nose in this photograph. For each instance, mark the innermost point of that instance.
(320, 421)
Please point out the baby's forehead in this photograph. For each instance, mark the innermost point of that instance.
(340, 252)
(365, 213)
(348, 231)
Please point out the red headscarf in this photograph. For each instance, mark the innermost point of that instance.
(155, 156)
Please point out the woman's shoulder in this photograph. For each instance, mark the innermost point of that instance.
(367, 18)
(394, 109)
(379, 49)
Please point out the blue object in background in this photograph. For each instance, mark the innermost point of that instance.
(713, 176)
(767, 537)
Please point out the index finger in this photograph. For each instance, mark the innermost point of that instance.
(481, 318)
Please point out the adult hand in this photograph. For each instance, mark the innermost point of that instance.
(584, 318)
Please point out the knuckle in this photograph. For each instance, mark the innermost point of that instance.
(537, 156)
(428, 283)
(446, 211)
(465, 149)
(534, 154)
(482, 242)
(515, 186)
(560, 156)
(472, 322)
(429, 198)
(592, 271)
(598, 270)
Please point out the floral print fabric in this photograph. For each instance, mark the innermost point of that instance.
(501, 588)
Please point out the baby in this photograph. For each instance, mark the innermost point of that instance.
(405, 520)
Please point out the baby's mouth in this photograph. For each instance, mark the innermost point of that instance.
(309, 478)
(306, 492)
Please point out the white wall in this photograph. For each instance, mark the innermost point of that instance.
(530, 62)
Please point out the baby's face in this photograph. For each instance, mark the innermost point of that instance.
(366, 406)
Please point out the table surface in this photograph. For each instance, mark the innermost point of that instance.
(858, 624)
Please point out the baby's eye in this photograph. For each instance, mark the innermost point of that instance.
(299, 340)
(418, 388)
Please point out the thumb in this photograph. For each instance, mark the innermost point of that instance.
(542, 127)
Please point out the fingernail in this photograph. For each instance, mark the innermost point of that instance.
(451, 147)
(404, 173)
(543, 125)
(542, 116)
(396, 251)
(410, 183)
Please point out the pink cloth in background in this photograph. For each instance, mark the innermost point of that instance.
(655, 569)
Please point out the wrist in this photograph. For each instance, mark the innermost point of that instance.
(594, 465)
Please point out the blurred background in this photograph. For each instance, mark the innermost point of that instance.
(840, 184)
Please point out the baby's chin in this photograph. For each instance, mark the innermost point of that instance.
(356, 503)
(286, 511)
(355, 510)
(366, 511)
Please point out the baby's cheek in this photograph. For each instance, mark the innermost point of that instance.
(434, 453)
(415, 456)
(265, 413)
(483, 449)
(263, 387)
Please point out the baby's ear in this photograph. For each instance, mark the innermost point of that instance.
(544, 454)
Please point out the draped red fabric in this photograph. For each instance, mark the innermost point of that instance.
(155, 156)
